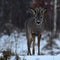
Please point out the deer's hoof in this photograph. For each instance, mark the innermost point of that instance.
(27, 53)
(38, 53)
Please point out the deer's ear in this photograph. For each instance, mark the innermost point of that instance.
(45, 10)
(33, 12)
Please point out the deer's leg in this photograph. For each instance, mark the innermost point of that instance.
(39, 36)
(33, 34)
(29, 52)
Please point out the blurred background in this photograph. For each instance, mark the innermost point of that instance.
(13, 13)
(12, 21)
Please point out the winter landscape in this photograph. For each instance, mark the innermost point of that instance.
(17, 43)
(13, 42)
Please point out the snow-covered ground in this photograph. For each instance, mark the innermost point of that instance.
(18, 44)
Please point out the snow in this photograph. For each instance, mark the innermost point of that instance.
(18, 44)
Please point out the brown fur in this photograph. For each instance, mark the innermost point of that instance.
(34, 27)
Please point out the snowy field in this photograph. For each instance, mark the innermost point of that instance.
(18, 44)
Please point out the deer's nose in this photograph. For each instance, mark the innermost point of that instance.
(38, 22)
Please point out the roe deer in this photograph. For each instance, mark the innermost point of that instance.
(34, 27)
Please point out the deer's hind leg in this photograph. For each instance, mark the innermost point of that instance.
(39, 36)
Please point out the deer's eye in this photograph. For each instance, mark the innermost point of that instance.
(41, 11)
(40, 16)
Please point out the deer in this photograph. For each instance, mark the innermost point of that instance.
(34, 27)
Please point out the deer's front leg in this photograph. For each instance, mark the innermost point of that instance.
(33, 35)
(29, 52)
(39, 36)
(28, 46)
